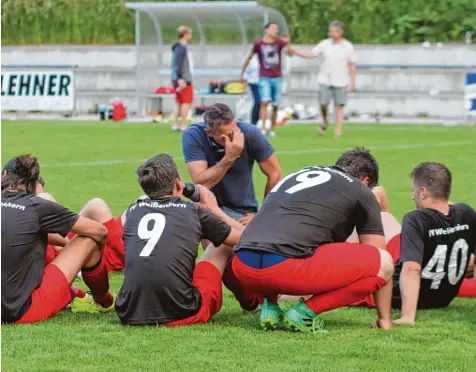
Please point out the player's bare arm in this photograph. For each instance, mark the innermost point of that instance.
(471, 268)
(383, 298)
(382, 198)
(271, 169)
(410, 278)
(245, 64)
(209, 201)
(353, 73)
(90, 229)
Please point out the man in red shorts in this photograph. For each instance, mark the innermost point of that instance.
(182, 78)
(296, 244)
(32, 292)
(162, 284)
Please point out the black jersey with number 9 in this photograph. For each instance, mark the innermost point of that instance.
(309, 208)
(161, 239)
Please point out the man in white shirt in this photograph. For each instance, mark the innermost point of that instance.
(338, 60)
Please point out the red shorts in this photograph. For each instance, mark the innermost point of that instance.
(50, 254)
(207, 279)
(185, 95)
(49, 298)
(332, 266)
(468, 288)
(113, 252)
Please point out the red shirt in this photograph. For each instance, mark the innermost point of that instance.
(269, 55)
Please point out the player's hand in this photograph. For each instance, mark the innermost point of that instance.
(245, 220)
(242, 79)
(181, 83)
(382, 324)
(285, 37)
(235, 145)
(207, 198)
(404, 321)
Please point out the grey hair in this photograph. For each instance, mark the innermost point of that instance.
(337, 24)
(216, 115)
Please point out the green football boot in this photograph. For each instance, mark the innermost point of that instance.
(270, 315)
(300, 318)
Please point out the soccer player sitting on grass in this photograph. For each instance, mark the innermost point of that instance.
(296, 244)
(162, 284)
(32, 292)
(96, 209)
(437, 242)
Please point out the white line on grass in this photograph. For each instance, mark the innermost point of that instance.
(280, 153)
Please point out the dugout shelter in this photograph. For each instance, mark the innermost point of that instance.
(222, 33)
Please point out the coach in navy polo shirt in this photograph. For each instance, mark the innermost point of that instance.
(220, 154)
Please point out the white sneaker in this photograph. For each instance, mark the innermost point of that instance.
(272, 134)
(263, 131)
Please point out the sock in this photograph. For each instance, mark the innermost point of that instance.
(114, 240)
(248, 300)
(77, 292)
(346, 295)
(97, 280)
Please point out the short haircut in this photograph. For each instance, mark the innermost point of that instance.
(157, 176)
(216, 115)
(435, 177)
(183, 30)
(21, 172)
(337, 24)
(267, 25)
(360, 163)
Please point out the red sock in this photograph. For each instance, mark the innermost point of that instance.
(115, 230)
(248, 300)
(77, 292)
(97, 280)
(346, 295)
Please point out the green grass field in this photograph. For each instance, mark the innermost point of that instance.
(85, 160)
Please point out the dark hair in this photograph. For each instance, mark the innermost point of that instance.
(41, 181)
(267, 25)
(157, 176)
(435, 177)
(359, 163)
(21, 173)
(216, 115)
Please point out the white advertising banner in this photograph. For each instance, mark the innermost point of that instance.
(37, 90)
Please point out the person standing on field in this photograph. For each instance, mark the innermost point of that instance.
(338, 60)
(182, 78)
(269, 50)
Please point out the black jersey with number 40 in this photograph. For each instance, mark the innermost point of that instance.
(442, 245)
(161, 239)
(309, 208)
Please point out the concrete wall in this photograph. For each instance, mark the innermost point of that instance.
(107, 72)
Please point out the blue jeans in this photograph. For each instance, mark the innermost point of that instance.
(270, 90)
(236, 215)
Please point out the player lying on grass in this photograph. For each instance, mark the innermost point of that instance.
(162, 284)
(437, 242)
(32, 292)
(96, 209)
(296, 244)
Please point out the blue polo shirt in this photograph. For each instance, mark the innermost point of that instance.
(235, 190)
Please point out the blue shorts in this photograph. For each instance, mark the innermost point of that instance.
(270, 90)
